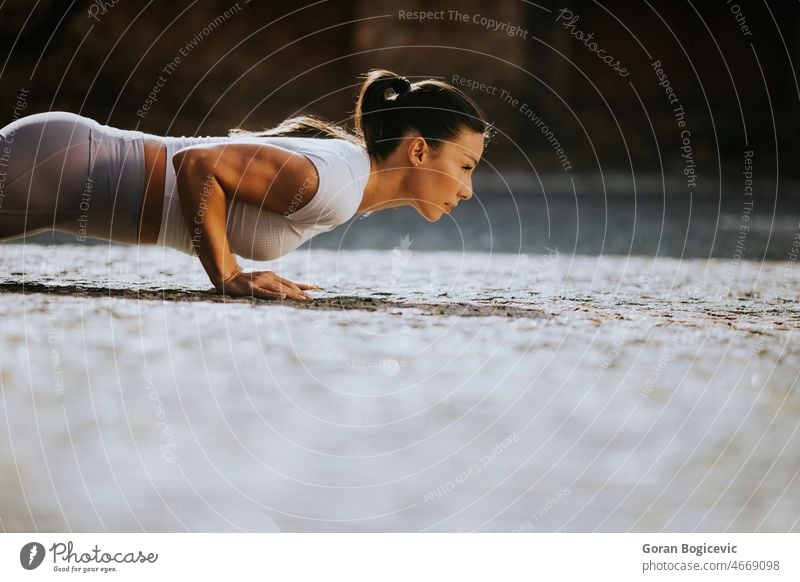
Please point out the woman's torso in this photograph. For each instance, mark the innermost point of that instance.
(158, 173)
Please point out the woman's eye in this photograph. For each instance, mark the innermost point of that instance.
(467, 167)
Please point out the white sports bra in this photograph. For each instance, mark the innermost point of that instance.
(258, 234)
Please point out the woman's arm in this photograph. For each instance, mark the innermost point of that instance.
(268, 176)
(204, 211)
(271, 177)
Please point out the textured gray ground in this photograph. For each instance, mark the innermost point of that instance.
(418, 392)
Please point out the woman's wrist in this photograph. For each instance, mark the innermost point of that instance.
(237, 269)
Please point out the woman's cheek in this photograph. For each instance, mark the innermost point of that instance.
(440, 186)
(448, 184)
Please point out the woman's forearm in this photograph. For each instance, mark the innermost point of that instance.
(204, 208)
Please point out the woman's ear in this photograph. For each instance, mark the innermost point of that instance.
(417, 150)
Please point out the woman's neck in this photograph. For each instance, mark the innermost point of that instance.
(385, 187)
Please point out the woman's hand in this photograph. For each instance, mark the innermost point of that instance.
(264, 285)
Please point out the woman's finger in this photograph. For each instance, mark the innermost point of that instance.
(271, 282)
(294, 287)
(288, 283)
(267, 294)
(301, 285)
(275, 283)
(292, 293)
(295, 284)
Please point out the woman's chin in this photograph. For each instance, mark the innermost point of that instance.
(432, 215)
(430, 212)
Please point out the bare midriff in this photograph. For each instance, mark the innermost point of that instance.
(155, 158)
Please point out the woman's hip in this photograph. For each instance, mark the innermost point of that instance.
(64, 171)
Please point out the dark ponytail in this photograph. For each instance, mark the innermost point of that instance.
(388, 106)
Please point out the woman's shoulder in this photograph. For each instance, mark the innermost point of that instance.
(340, 146)
(344, 160)
(343, 170)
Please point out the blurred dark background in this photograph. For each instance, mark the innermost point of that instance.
(618, 183)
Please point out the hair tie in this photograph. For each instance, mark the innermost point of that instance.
(403, 85)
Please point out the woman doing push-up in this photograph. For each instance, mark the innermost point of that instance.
(258, 195)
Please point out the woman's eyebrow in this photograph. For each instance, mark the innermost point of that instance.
(473, 159)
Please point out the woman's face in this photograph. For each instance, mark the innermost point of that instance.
(442, 177)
